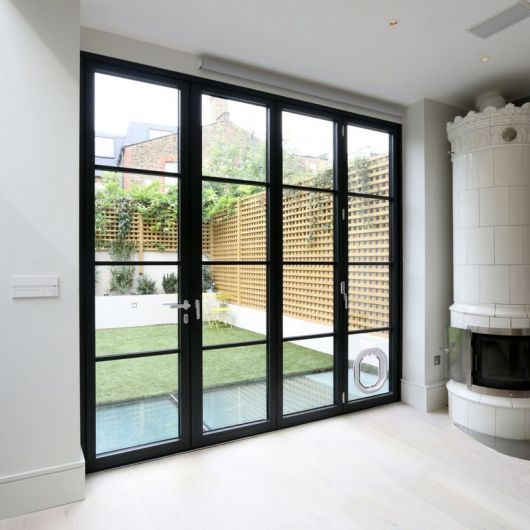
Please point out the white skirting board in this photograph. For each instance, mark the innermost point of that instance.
(424, 397)
(42, 488)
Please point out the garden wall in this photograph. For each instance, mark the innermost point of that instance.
(134, 310)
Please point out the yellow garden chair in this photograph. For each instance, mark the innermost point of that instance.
(216, 311)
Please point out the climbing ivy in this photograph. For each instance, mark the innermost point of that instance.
(159, 209)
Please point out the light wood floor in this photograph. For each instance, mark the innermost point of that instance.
(390, 467)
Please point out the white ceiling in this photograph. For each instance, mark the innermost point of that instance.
(343, 43)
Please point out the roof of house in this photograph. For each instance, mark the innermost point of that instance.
(136, 132)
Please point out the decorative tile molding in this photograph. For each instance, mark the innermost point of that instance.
(480, 130)
(490, 315)
(502, 417)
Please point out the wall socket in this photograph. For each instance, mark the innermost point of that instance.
(437, 360)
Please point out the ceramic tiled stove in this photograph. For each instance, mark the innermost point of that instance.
(489, 346)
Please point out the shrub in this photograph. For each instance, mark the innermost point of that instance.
(207, 279)
(146, 285)
(170, 283)
(121, 250)
(121, 279)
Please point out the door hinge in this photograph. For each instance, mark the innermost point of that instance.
(343, 213)
(344, 397)
(343, 131)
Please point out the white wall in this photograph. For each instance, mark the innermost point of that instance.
(414, 243)
(439, 234)
(427, 252)
(40, 458)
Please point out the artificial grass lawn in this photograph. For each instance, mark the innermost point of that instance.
(127, 379)
(162, 337)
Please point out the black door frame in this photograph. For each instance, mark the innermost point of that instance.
(191, 88)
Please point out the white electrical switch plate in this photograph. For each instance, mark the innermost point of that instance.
(34, 286)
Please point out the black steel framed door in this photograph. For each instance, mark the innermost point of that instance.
(231, 281)
(239, 262)
(371, 271)
(308, 181)
(135, 261)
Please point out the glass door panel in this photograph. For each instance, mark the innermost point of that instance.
(370, 265)
(234, 386)
(368, 301)
(136, 124)
(307, 374)
(132, 315)
(368, 230)
(307, 147)
(136, 217)
(235, 191)
(368, 161)
(307, 225)
(309, 265)
(308, 300)
(137, 401)
(234, 304)
(136, 252)
(234, 222)
(233, 139)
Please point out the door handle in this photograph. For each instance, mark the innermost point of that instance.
(176, 305)
(344, 294)
(198, 309)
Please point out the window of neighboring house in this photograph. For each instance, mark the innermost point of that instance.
(156, 133)
(104, 147)
(171, 167)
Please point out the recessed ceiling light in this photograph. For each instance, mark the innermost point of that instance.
(393, 23)
(484, 59)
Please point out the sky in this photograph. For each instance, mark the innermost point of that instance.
(120, 101)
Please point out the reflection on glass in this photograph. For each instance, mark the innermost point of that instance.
(233, 139)
(234, 302)
(234, 386)
(137, 124)
(234, 221)
(368, 230)
(307, 145)
(369, 375)
(307, 374)
(130, 313)
(136, 217)
(137, 402)
(368, 297)
(307, 225)
(368, 170)
(307, 300)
